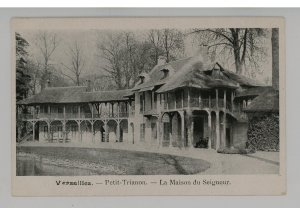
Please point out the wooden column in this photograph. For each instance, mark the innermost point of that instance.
(232, 104)
(106, 131)
(49, 110)
(209, 101)
(217, 98)
(182, 129)
(224, 131)
(225, 99)
(157, 131)
(162, 135)
(79, 111)
(199, 97)
(182, 98)
(49, 132)
(209, 130)
(217, 131)
(175, 102)
(189, 98)
(118, 131)
(171, 132)
(92, 110)
(33, 130)
(167, 100)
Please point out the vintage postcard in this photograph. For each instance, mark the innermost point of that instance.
(148, 106)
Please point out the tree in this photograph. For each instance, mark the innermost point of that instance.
(77, 63)
(246, 45)
(22, 76)
(275, 58)
(167, 42)
(47, 43)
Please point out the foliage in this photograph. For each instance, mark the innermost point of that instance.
(22, 76)
(234, 150)
(263, 132)
(244, 45)
(126, 55)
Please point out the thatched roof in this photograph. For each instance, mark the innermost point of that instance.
(193, 72)
(253, 91)
(74, 94)
(268, 101)
(156, 76)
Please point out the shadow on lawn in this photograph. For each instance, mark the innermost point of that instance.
(171, 160)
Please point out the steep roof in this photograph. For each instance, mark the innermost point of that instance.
(156, 77)
(268, 101)
(253, 91)
(74, 94)
(194, 72)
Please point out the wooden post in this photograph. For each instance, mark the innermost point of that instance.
(49, 132)
(224, 131)
(93, 135)
(209, 101)
(33, 130)
(175, 104)
(217, 131)
(232, 104)
(189, 98)
(217, 99)
(182, 98)
(157, 131)
(225, 100)
(209, 130)
(171, 132)
(182, 129)
(49, 111)
(92, 110)
(167, 100)
(79, 111)
(199, 99)
(106, 131)
(118, 131)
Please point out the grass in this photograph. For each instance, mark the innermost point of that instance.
(87, 161)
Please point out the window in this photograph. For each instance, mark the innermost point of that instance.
(142, 126)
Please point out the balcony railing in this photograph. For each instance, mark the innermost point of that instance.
(72, 115)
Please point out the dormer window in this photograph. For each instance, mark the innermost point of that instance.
(165, 73)
(143, 77)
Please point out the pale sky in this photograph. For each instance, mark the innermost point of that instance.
(87, 39)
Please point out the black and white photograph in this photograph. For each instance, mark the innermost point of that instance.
(147, 101)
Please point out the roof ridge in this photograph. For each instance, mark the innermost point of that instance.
(66, 87)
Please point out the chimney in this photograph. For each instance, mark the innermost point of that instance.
(89, 86)
(203, 53)
(161, 60)
(48, 84)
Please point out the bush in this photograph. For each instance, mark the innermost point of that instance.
(235, 150)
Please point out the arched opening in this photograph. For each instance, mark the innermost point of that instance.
(41, 131)
(166, 129)
(72, 131)
(112, 131)
(123, 130)
(56, 131)
(201, 132)
(176, 130)
(86, 132)
(222, 129)
(99, 131)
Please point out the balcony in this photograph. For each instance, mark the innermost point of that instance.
(67, 116)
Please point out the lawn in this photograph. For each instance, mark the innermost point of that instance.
(92, 161)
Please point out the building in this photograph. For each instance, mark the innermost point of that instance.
(185, 103)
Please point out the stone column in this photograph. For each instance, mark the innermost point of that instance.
(224, 131)
(217, 131)
(209, 130)
(118, 131)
